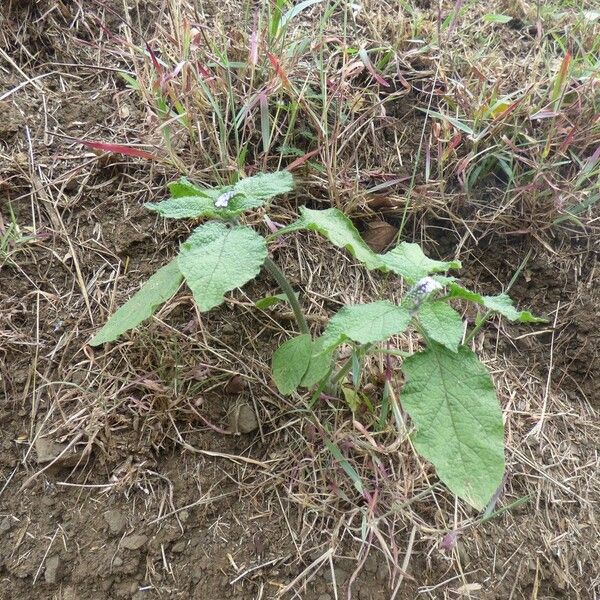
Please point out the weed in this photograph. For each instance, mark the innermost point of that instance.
(448, 393)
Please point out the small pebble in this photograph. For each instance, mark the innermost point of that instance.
(243, 419)
(134, 542)
(53, 567)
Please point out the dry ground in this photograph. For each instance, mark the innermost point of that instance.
(120, 475)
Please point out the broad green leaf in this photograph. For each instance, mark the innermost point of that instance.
(458, 291)
(319, 365)
(452, 402)
(495, 18)
(156, 291)
(442, 324)
(216, 259)
(502, 303)
(340, 231)
(184, 207)
(409, 261)
(366, 323)
(265, 185)
(290, 362)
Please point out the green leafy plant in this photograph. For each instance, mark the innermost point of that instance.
(448, 393)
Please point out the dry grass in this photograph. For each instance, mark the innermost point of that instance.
(74, 242)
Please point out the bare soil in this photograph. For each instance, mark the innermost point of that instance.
(122, 475)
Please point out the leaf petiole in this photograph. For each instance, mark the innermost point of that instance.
(287, 289)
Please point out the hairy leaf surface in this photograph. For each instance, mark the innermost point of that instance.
(442, 324)
(290, 362)
(265, 185)
(366, 323)
(319, 365)
(190, 201)
(452, 401)
(409, 261)
(217, 259)
(502, 304)
(156, 291)
(340, 231)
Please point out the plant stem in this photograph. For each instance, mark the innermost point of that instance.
(489, 313)
(342, 372)
(287, 289)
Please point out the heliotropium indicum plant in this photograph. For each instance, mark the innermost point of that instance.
(448, 393)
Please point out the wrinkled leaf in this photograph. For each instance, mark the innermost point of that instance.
(442, 324)
(503, 304)
(366, 323)
(452, 402)
(190, 201)
(217, 259)
(339, 230)
(191, 207)
(265, 185)
(290, 362)
(409, 261)
(156, 291)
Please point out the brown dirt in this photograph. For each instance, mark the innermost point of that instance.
(148, 498)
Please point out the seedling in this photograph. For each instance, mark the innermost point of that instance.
(448, 392)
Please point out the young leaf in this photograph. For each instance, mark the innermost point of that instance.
(340, 231)
(184, 207)
(205, 205)
(442, 324)
(319, 365)
(290, 363)
(451, 399)
(269, 301)
(366, 323)
(184, 187)
(502, 303)
(409, 261)
(216, 259)
(352, 398)
(156, 291)
(189, 201)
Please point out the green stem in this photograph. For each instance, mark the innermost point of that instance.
(342, 372)
(489, 313)
(287, 289)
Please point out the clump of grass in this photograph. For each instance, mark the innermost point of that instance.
(395, 120)
(300, 87)
(516, 128)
